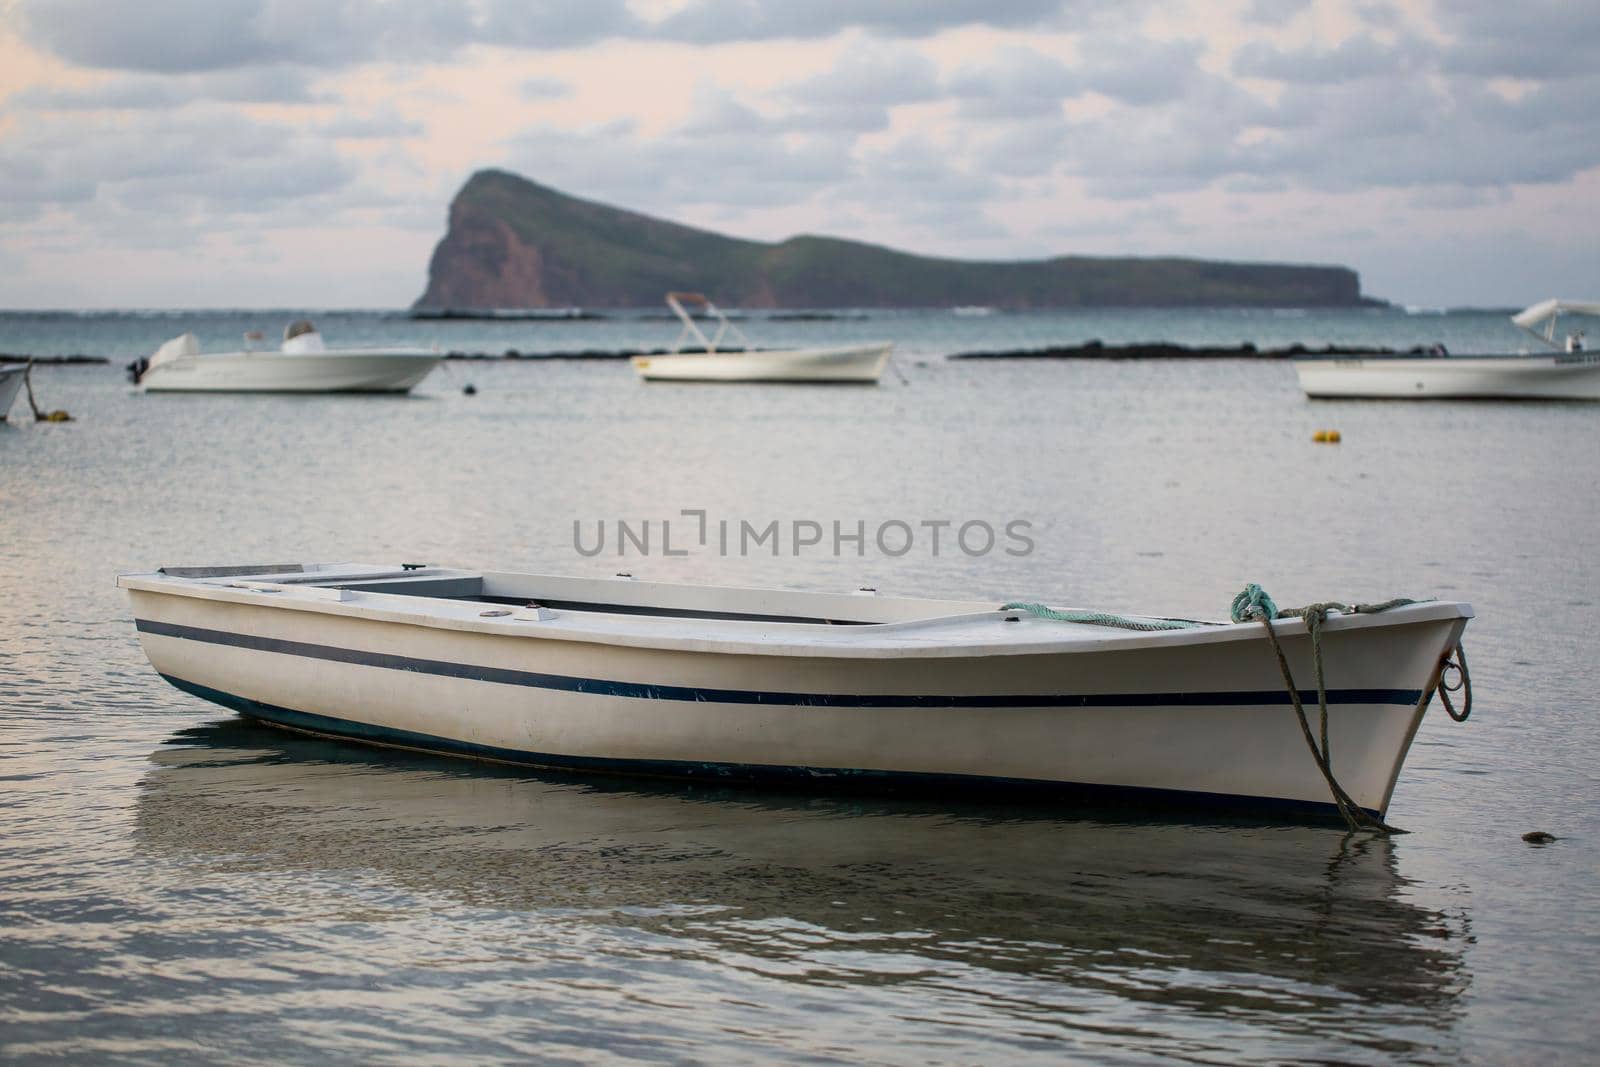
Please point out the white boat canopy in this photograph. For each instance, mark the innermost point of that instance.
(183, 346)
(1540, 319)
(690, 329)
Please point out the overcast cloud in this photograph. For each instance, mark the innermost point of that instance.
(1323, 131)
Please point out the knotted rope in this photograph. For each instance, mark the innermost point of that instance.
(1254, 603)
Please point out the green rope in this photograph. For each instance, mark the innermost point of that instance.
(1100, 618)
(1253, 604)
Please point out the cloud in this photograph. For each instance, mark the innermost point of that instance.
(187, 36)
(544, 89)
(913, 132)
(385, 122)
(1536, 39)
(181, 36)
(1016, 83)
(1356, 57)
(1139, 70)
(197, 162)
(1275, 12)
(1167, 125)
(1022, 83)
(720, 21)
(716, 112)
(256, 85)
(870, 72)
(1400, 134)
(857, 93)
(711, 160)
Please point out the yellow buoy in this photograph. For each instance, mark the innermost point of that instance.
(1329, 437)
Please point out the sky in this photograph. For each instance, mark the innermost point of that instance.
(303, 153)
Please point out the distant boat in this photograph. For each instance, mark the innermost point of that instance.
(825, 690)
(12, 377)
(301, 365)
(1567, 372)
(971, 311)
(859, 363)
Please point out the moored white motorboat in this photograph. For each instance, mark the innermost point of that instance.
(301, 365)
(1565, 373)
(836, 691)
(12, 377)
(856, 363)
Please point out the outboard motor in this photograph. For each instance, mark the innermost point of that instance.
(137, 368)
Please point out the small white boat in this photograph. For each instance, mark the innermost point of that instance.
(1567, 372)
(859, 363)
(834, 691)
(301, 365)
(12, 377)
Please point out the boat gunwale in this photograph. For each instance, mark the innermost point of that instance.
(1477, 361)
(747, 353)
(259, 353)
(906, 639)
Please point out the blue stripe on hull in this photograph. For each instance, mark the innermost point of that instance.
(643, 691)
(833, 779)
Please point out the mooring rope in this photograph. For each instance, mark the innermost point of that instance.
(1463, 685)
(1253, 603)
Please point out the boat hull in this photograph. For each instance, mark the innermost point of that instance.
(348, 371)
(859, 364)
(1196, 723)
(1558, 377)
(11, 380)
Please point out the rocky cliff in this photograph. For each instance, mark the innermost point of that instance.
(513, 243)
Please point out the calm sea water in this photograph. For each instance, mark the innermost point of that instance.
(177, 885)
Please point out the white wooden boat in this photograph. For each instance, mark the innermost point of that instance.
(1566, 372)
(858, 363)
(836, 691)
(301, 365)
(12, 377)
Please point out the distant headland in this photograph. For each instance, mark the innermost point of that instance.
(513, 243)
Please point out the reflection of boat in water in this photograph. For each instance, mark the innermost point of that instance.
(1290, 927)
(12, 376)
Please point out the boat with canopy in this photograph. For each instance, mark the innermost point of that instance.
(713, 362)
(302, 364)
(1565, 371)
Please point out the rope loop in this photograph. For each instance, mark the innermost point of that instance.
(1463, 685)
